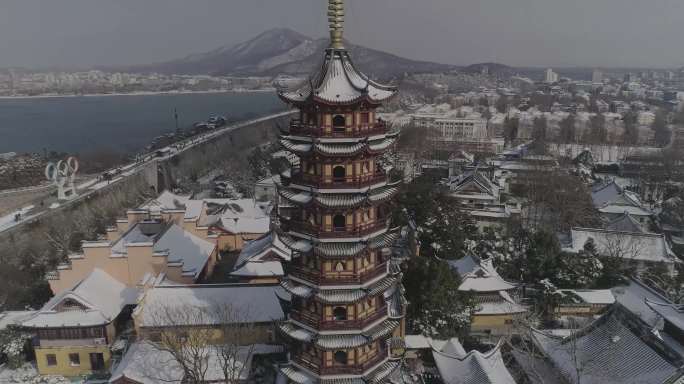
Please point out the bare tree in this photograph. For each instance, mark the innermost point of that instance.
(178, 332)
(209, 343)
(236, 349)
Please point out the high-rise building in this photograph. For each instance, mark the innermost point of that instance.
(550, 76)
(347, 308)
(597, 77)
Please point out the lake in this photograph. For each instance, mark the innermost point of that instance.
(123, 124)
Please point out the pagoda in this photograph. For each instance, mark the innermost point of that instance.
(347, 309)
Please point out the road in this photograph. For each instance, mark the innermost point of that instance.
(98, 183)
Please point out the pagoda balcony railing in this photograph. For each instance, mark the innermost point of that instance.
(351, 369)
(361, 130)
(330, 231)
(355, 369)
(308, 363)
(320, 182)
(316, 277)
(315, 321)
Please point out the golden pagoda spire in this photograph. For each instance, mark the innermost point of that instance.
(336, 20)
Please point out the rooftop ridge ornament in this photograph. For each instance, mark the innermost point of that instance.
(336, 20)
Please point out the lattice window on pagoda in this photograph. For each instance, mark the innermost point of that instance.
(339, 223)
(366, 308)
(341, 358)
(367, 352)
(339, 123)
(340, 313)
(365, 118)
(340, 173)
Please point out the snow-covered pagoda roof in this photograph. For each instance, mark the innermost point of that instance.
(300, 145)
(339, 200)
(340, 249)
(455, 366)
(379, 375)
(339, 341)
(338, 82)
(339, 296)
(479, 275)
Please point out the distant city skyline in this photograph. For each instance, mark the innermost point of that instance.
(539, 33)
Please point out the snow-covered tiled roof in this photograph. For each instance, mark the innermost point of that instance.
(592, 296)
(625, 223)
(628, 245)
(186, 248)
(264, 248)
(479, 275)
(610, 193)
(607, 352)
(672, 313)
(100, 299)
(633, 298)
(338, 82)
(260, 269)
(499, 303)
(258, 304)
(455, 366)
(166, 201)
(240, 216)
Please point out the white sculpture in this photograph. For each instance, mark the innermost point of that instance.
(62, 175)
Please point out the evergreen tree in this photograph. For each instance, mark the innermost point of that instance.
(567, 129)
(437, 308)
(631, 135)
(539, 136)
(662, 132)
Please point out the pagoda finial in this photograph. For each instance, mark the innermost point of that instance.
(336, 20)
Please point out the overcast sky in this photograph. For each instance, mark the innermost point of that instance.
(622, 33)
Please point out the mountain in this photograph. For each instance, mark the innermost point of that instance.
(284, 51)
(490, 68)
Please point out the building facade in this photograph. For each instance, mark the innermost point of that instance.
(347, 300)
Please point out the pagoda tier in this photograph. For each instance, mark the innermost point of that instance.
(338, 83)
(334, 214)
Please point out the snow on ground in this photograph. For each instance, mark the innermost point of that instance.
(27, 374)
(103, 184)
(10, 220)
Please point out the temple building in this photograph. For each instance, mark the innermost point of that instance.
(347, 309)
(497, 299)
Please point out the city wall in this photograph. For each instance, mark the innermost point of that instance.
(45, 240)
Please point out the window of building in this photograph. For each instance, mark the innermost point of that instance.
(51, 359)
(74, 359)
(339, 123)
(339, 173)
(340, 313)
(97, 362)
(365, 119)
(340, 357)
(339, 223)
